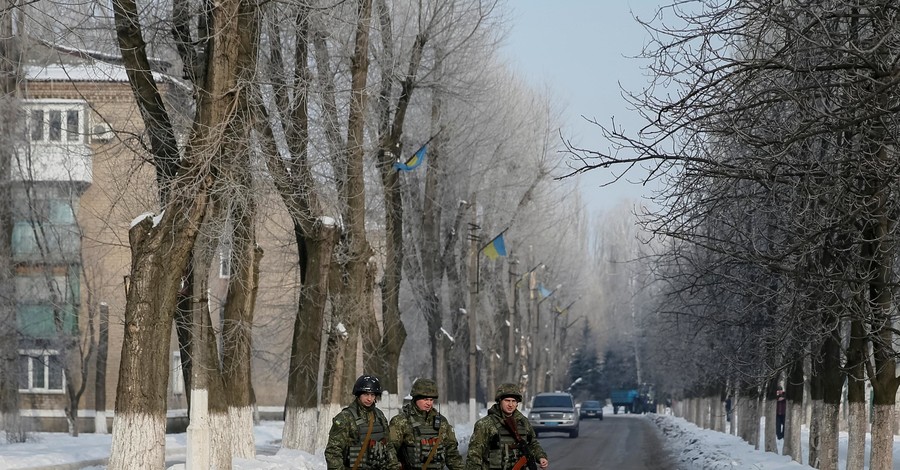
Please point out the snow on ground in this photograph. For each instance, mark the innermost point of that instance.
(693, 447)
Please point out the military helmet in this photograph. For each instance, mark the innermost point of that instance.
(508, 391)
(367, 384)
(424, 388)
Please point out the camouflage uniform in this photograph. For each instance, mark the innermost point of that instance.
(413, 435)
(492, 446)
(348, 429)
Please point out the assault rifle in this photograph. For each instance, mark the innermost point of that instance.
(527, 460)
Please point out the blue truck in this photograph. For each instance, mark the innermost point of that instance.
(630, 400)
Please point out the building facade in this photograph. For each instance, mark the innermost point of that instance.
(79, 179)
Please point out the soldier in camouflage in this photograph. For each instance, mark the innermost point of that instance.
(501, 439)
(358, 439)
(422, 437)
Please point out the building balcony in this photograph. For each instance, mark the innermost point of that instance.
(55, 145)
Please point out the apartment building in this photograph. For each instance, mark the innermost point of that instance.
(79, 180)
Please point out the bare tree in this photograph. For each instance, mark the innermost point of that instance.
(10, 423)
(161, 249)
(784, 106)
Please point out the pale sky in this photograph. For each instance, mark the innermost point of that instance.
(581, 50)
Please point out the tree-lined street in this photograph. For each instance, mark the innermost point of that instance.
(263, 200)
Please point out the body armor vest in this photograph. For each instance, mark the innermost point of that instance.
(426, 435)
(375, 456)
(503, 450)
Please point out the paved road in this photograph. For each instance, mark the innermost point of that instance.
(619, 442)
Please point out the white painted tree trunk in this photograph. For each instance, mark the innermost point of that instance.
(828, 437)
(882, 457)
(856, 436)
(793, 422)
(243, 443)
(301, 436)
(771, 444)
(100, 423)
(815, 419)
(138, 441)
(329, 411)
(718, 414)
(220, 440)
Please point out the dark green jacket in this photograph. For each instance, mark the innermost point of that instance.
(413, 435)
(491, 446)
(348, 429)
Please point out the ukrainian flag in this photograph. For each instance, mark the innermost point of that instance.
(495, 249)
(414, 161)
(543, 291)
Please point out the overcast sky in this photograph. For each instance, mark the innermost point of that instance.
(581, 50)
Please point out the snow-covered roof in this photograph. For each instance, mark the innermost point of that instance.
(95, 72)
(54, 62)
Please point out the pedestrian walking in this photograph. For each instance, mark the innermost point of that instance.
(780, 412)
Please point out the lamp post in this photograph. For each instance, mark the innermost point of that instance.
(559, 338)
(545, 350)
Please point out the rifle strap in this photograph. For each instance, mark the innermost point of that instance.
(365, 442)
(431, 454)
(510, 424)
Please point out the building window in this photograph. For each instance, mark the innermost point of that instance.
(56, 121)
(46, 305)
(45, 228)
(225, 261)
(40, 371)
(37, 131)
(177, 374)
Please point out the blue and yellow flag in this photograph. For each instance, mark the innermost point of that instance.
(543, 291)
(412, 162)
(495, 249)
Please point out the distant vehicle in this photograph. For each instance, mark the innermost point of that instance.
(626, 399)
(554, 412)
(591, 409)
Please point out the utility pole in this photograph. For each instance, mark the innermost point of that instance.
(634, 329)
(510, 371)
(531, 311)
(198, 435)
(470, 312)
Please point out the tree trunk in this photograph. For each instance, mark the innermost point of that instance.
(10, 421)
(856, 396)
(816, 393)
(159, 256)
(237, 329)
(161, 251)
(100, 377)
(301, 403)
(240, 301)
(748, 404)
(770, 444)
(794, 414)
(354, 250)
(315, 237)
(879, 251)
(832, 382)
